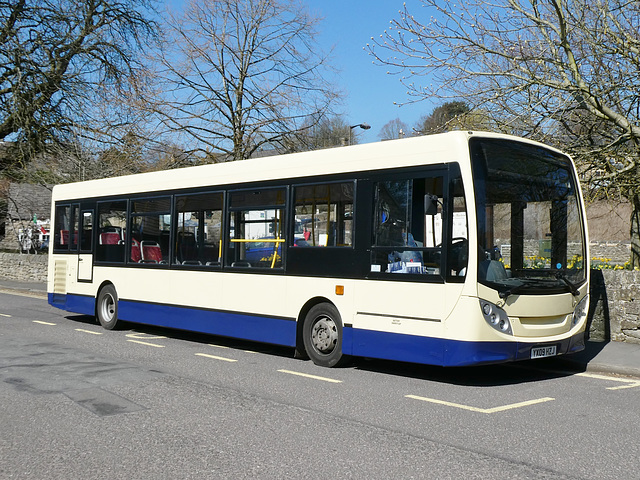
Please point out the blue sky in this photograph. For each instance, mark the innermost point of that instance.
(370, 91)
(348, 25)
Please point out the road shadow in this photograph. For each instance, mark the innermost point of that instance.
(476, 376)
(513, 373)
(84, 319)
(576, 362)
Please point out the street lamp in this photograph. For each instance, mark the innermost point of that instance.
(364, 126)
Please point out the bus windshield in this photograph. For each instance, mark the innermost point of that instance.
(530, 231)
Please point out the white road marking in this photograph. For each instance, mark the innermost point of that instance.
(88, 331)
(144, 335)
(313, 377)
(482, 410)
(630, 383)
(43, 323)
(146, 343)
(214, 357)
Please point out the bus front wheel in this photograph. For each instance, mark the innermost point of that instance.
(107, 307)
(322, 335)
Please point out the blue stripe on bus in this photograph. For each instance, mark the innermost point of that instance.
(83, 304)
(278, 331)
(265, 329)
(449, 353)
(281, 331)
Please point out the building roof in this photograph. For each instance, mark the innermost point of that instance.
(26, 200)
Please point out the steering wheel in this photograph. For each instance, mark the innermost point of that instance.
(459, 253)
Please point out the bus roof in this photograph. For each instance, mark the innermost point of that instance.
(415, 151)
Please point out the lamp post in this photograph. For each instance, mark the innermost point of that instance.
(364, 126)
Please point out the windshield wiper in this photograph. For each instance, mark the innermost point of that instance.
(528, 284)
(504, 294)
(572, 288)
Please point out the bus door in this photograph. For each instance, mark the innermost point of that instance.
(85, 254)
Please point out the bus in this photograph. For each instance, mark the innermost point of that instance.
(454, 249)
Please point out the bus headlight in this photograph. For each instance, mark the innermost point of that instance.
(496, 317)
(581, 311)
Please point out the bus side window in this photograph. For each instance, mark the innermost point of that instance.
(112, 221)
(459, 245)
(408, 227)
(255, 234)
(324, 215)
(61, 227)
(86, 232)
(198, 231)
(150, 228)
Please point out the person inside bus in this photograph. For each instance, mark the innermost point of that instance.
(490, 266)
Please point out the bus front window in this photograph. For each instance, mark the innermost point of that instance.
(530, 231)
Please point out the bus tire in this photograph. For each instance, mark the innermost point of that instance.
(322, 335)
(107, 307)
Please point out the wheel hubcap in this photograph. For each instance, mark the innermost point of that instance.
(324, 335)
(108, 308)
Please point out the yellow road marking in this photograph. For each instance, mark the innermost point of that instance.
(216, 357)
(482, 410)
(629, 385)
(88, 331)
(146, 343)
(5, 315)
(314, 377)
(629, 382)
(43, 323)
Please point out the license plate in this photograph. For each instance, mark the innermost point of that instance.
(541, 352)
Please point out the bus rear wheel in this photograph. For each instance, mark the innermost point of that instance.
(322, 335)
(107, 307)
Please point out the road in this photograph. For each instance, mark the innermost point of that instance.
(81, 402)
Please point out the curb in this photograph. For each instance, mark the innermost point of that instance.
(25, 292)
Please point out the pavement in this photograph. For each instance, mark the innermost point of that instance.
(613, 358)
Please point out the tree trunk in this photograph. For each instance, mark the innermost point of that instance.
(635, 231)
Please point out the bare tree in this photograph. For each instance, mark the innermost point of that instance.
(243, 75)
(393, 129)
(59, 61)
(453, 115)
(562, 71)
(328, 132)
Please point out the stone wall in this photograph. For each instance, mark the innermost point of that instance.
(614, 313)
(23, 267)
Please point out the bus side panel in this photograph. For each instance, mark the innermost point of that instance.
(266, 329)
(430, 350)
(395, 346)
(82, 304)
(450, 353)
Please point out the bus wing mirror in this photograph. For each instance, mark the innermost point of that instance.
(430, 204)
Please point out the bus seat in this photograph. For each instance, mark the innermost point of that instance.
(109, 238)
(136, 255)
(151, 251)
(192, 262)
(241, 263)
(187, 248)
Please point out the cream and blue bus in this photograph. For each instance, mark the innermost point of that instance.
(454, 249)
